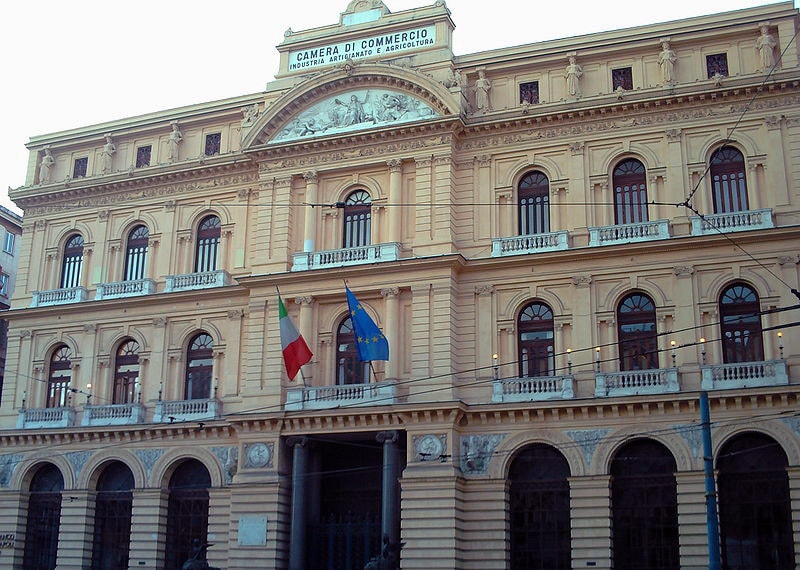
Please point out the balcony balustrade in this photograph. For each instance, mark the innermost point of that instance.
(636, 382)
(362, 255)
(347, 395)
(534, 243)
(58, 296)
(532, 389)
(38, 418)
(113, 415)
(122, 289)
(744, 375)
(194, 281)
(732, 222)
(187, 410)
(629, 233)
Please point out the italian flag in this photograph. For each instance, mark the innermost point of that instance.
(295, 350)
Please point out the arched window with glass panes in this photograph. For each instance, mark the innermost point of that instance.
(535, 341)
(644, 507)
(539, 510)
(59, 377)
(199, 367)
(72, 262)
(630, 192)
(357, 219)
(136, 253)
(126, 372)
(187, 513)
(43, 519)
(208, 237)
(533, 193)
(349, 369)
(740, 321)
(728, 181)
(113, 510)
(637, 335)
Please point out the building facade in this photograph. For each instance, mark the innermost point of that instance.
(566, 244)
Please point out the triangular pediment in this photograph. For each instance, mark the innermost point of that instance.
(350, 99)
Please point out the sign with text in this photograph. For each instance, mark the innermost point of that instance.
(372, 46)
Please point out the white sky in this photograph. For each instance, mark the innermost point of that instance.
(75, 63)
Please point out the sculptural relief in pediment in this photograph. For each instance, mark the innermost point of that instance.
(353, 111)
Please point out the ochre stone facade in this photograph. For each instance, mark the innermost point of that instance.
(564, 242)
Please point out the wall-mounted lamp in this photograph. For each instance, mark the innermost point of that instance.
(569, 360)
(703, 348)
(780, 343)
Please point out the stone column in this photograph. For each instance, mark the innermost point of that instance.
(390, 498)
(486, 344)
(148, 528)
(392, 331)
(75, 529)
(310, 231)
(692, 519)
(306, 329)
(590, 505)
(297, 536)
(394, 213)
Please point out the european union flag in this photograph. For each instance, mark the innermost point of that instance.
(371, 343)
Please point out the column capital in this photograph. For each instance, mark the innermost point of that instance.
(297, 441)
(394, 164)
(390, 292)
(310, 176)
(306, 300)
(389, 436)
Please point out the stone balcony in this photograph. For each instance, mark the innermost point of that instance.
(122, 289)
(58, 296)
(362, 255)
(532, 389)
(38, 418)
(629, 233)
(744, 375)
(187, 410)
(194, 281)
(534, 243)
(732, 222)
(636, 382)
(113, 415)
(345, 396)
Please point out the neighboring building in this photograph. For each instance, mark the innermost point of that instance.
(9, 259)
(564, 242)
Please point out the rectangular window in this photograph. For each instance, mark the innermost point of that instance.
(4, 284)
(622, 77)
(213, 144)
(79, 170)
(529, 92)
(8, 246)
(143, 156)
(717, 64)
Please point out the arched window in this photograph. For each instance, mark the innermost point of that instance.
(199, 367)
(126, 372)
(44, 518)
(754, 504)
(728, 180)
(644, 507)
(112, 518)
(72, 262)
(187, 513)
(60, 377)
(638, 341)
(536, 348)
(349, 369)
(534, 204)
(539, 510)
(136, 253)
(630, 192)
(208, 236)
(740, 321)
(357, 219)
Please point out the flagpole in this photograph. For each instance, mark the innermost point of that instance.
(303, 377)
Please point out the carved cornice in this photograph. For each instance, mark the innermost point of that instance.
(95, 193)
